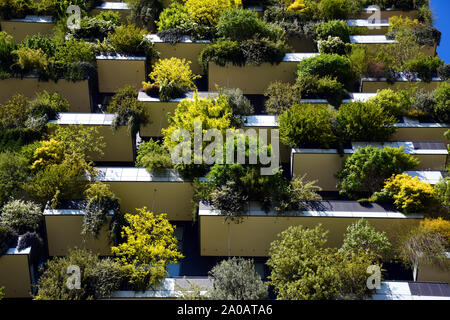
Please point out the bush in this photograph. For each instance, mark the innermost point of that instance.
(306, 126)
(444, 72)
(31, 60)
(338, 9)
(222, 52)
(359, 61)
(325, 88)
(128, 109)
(97, 27)
(153, 156)
(367, 169)
(208, 12)
(14, 113)
(48, 105)
(174, 78)
(257, 51)
(99, 277)
(173, 17)
(8, 239)
(30, 239)
(13, 175)
(281, 96)
(7, 46)
(238, 103)
(333, 45)
(396, 103)
(236, 279)
(425, 66)
(130, 40)
(144, 12)
(438, 225)
(21, 216)
(334, 28)
(359, 121)
(332, 65)
(442, 190)
(423, 102)
(410, 195)
(442, 107)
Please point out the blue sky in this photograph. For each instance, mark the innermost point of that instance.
(441, 9)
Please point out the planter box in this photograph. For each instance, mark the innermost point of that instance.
(388, 13)
(115, 72)
(354, 97)
(64, 227)
(252, 237)
(120, 146)
(374, 43)
(373, 27)
(16, 273)
(432, 272)
(423, 131)
(121, 7)
(302, 44)
(158, 112)
(373, 84)
(161, 193)
(255, 79)
(322, 164)
(186, 49)
(19, 29)
(78, 94)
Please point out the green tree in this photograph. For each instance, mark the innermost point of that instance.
(303, 269)
(236, 279)
(21, 216)
(99, 277)
(367, 169)
(281, 96)
(361, 235)
(13, 174)
(148, 248)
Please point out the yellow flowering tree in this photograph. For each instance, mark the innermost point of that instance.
(50, 152)
(297, 6)
(208, 11)
(148, 248)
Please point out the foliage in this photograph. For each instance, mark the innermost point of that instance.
(31, 239)
(8, 238)
(97, 27)
(359, 60)
(306, 126)
(238, 103)
(425, 66)
(127, 109)
(48, 105)
(361, 235)
(332, 65)
(21, 216)
(144, 12)
(13, 175)
(48, 153)
(444, 72)
(367, 169)
(359, 121)
(422, 103)
(14, 113)
(258, 51)
(302, 269)
(410, 195)
(442, 107)
(334, 28)
(174, 78)
(30, 60)
(220, 53)
(153, 156)
(236, 279)
(150, 246)
(338, 9)
(281, 96)
(208, 12)
(99, 277)
(396, 103)
(437, 225)
(325, 88)
(173, 17)
(332, 45)
(7, 46)
(442, 190)
(2, 292)
(130, 40)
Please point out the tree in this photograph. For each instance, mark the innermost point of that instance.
(281, 96)
(367, 168)
(21, 216)
(98, 277)
(302, 269)
(236, 279)
(361, 235)
(148, 248)
(13, 174)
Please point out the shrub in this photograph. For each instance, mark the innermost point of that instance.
(127, 109)
(31, 60)
(367, 169)
(332, 45)
(174, 78)
(410, 195)
(13, 174)
(359, 61)
(14, 113)
(97, 27)
(425, 66)
(361, 235)
(48, 153)
(173, 17)
(220, 53)
(338, 9)
(99, 277)
(238, 103)
(281, 96)
(257, 51)
(21, 216)
(332, 65)
(305, 126)
(334, 28)
(130, 40)
(153, 156)
(48, 105)
(236, 279)
(396, 103)
(438, 225)
(324, 88)
(359, 121)
(8, 238)
(442, 107)
(148, 248)
(208, 12)
(442, 190)
(444, 72)
(30, 239)
(423, 102)
(7, 46)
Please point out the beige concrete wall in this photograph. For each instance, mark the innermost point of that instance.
(323, 166)
(64, 232)
(412, 14)
(115, 74)
(187, 50)
(250, 79)
(19, 30)
(421, 134)
(15, 275)
(253, 236)
(373, 86)
(76, 93)
(432, 272)
(158, 114)
(173, 198)
(302, 45)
